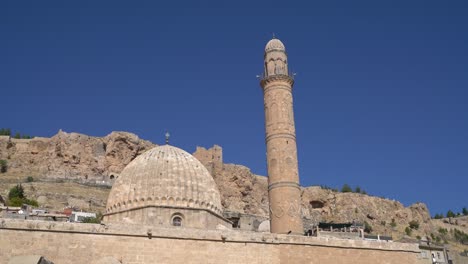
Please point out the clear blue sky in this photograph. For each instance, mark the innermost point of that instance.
(381, 94)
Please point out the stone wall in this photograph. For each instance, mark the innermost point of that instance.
(90, 243)
(163, 217)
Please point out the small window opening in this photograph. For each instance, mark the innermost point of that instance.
(177, 221)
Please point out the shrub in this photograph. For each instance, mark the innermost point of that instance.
(408, 231)
(367, 227)
(93, 220)
(443, 231)
(465, 211)
(31, 202)
(383, 223)
(5, 132)
(324, 187)
(414, 224)
(17, 135)
(16, 192)
(357, 189)
(29, 179)
(460, 236)
(393, 224)
(438, 216)
(15, 201)
(3, 166)
(346, 188)
(418, 237)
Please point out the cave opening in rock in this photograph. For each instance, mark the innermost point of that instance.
(317, 204)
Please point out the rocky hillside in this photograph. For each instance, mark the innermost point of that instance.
(62, 164)
(72, 156)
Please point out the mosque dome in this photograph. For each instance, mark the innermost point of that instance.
(164, 176)
(274, 44)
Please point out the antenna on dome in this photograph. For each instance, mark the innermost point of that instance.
(167, 138)
(273, 35)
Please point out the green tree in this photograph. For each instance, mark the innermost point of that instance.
(29, 179)
(16, 192)
(357, 189)
(438, 216)
(16, 197)
(346, 188)
(465, 211)
(393, 224)
(3, 166)
(5, 132)
(17, 135)
(450, 213)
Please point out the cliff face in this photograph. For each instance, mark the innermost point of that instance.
(73, 156)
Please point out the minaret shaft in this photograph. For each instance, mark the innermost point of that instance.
(283, 178)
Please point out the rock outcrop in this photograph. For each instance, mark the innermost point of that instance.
(73, 156)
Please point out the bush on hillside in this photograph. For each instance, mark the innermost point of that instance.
(3, 166)
(346, 188)
(414, 224)
(367, 227)
(408, 231)
(450, 213)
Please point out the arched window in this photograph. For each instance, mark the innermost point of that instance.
(177, 221)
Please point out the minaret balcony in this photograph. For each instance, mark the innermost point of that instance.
(266, 78)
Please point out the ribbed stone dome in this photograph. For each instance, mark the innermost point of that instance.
(164, 176)
(274, 44)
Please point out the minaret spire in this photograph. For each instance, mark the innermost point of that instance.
(284, 191)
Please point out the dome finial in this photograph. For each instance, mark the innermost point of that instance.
(167, 137)
(273, 35)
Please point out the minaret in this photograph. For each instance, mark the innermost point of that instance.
(283, 178)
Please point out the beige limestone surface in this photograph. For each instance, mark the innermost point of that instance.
(284, 191)
(91, 243)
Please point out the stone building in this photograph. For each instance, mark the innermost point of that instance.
(165, 208)
(165, 187)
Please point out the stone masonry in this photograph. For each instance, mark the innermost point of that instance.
(91, 243)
